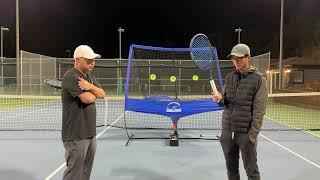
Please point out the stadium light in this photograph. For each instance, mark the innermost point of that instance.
(69, 53)
(238, 30)
(120, 30)
(1, 55)
(2, 29)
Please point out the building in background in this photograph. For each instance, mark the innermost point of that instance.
(299, 73)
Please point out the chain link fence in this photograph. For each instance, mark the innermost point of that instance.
(110, 73)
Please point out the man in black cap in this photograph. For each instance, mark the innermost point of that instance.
(244, 98)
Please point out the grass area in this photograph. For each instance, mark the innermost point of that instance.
(297, 117)
(315, 133)
(14, 103)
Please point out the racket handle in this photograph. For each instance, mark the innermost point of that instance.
(213, 86)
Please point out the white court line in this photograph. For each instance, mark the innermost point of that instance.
(24, 113)
(292, 152)
(64, 164)
(310, 132)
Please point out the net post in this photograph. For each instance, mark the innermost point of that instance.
(106, 114)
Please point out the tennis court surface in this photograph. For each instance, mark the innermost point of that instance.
(31, 148)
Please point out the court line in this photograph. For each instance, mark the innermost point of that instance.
(310, 132)
(292, 152)
(64, 164)
(23, 113)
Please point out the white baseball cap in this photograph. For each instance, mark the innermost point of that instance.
(85, 52)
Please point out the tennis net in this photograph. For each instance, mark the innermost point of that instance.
(285, 112)
(37, 112)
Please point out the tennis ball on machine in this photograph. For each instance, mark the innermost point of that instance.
(195, 77)
(173, 78)
(153, 77)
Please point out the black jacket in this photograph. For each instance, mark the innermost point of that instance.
(244, 98)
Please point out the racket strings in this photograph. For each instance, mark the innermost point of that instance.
(201, 51)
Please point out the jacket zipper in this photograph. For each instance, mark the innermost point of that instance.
(238, 82)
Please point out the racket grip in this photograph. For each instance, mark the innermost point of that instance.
(213, 87)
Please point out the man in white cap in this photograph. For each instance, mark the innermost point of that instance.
(80, 90)
(244, 98)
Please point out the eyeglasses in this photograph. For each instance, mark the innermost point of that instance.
(89, 61)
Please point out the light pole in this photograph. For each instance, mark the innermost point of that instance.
(238, 30)
(2, 29)
(120, 30)
(18, 63)
(281, 45)
(69, 53)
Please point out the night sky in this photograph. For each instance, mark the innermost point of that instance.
(51, 27)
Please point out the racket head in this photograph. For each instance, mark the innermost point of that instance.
(201, 51)
(53, 83)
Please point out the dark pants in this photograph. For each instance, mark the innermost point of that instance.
(231, 147)
(79, 158)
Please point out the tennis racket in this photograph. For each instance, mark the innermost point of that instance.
(53, 83)
(201, 52)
